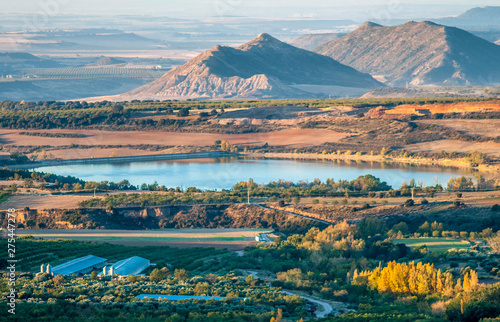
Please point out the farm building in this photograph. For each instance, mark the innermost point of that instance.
(81, 265)
(129, 266)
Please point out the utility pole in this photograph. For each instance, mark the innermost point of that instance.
(248, 190)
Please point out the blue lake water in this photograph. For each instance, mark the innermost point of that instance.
(223, 173)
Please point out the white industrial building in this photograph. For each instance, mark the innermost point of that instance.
(130, 266)
(81, 265)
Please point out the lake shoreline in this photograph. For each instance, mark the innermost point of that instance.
(460, 164)
(127, 159)
(223, 170)
(491, 169)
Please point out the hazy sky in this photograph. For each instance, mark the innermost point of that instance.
(335, 9)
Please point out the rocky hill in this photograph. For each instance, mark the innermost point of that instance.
(106, 61)
(418, 53)
(262, 68)
(12, 62)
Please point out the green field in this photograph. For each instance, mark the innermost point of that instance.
(154, 239)
(433, 244)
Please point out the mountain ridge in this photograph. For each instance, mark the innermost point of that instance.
(264, 67)
(419, 53)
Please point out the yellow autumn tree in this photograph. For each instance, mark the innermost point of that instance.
(471, 281)
(466, 285)
(278, 317)
(417, 279)
(225, 146)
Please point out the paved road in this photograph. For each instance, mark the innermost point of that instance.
(294, 214)
(320, 313)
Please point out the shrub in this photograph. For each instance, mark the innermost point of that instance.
(409, 203)
(58, 280)
(183, 112)
(439, 308)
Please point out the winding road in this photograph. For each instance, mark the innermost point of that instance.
(326, 308)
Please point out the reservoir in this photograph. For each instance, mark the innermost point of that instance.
(223, 173)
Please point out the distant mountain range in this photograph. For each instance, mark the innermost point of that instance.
(85, 39)
(480, 18)
(420, 53)
(262, 68)
(311, 41)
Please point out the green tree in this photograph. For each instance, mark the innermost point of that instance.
(425, 228)
(183, 112)
(12, 188)
(201, 288)
(371, 226)
(250, 280)
(401, 227)
(181, 274)
(77, 186)
(30, 223)
(157, 275)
